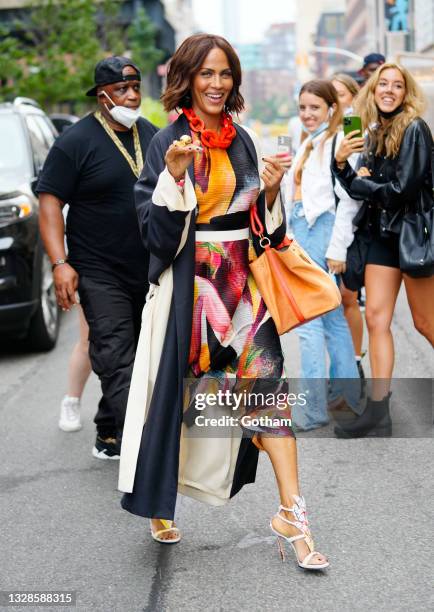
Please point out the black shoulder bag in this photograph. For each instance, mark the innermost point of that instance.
(416, 239)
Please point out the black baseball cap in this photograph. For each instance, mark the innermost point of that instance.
(374, 58)
(109, 70)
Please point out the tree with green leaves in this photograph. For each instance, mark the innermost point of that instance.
(141, 37)
(56, 53)
(51, 54)
(10, 55)
(110, 33)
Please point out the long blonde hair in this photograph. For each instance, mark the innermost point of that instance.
(325, 90)
(387, 139)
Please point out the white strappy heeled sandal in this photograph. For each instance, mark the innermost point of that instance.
(168, 527)
(301, 523)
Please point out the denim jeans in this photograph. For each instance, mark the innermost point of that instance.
(329, 332)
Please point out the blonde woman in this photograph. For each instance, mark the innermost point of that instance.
(395, 172)
(347, 89)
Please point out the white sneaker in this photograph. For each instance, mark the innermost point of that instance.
(70, 414)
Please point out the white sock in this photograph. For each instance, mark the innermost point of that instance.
(74, 400)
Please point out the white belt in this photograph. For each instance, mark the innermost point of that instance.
(222, 236)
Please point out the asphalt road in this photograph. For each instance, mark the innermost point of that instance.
(370, 503)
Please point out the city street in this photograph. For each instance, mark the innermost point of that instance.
(125, 111)
(369, 501)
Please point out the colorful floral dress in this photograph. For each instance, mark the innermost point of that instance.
(233, 334)
(205, 279)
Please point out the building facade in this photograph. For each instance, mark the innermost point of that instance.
(179, 13)
(424, 26)
(279, 47)
(307, 17)
(269, 68)
(11, 10)
(251, 56)
(361, 29)
(330, 34)
(389, 27)
(231, 20)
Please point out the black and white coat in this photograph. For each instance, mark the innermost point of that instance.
(157, 460)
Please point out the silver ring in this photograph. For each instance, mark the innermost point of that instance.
(264, 242)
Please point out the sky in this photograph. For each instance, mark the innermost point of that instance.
(255, 16)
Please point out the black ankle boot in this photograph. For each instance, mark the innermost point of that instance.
(375, 421)
(362, 379)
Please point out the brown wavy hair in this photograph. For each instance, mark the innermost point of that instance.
(186, 63)
(386, 139)
(325, 90)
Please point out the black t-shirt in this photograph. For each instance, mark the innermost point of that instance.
(85, 169)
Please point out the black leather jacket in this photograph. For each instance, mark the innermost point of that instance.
(396, 185)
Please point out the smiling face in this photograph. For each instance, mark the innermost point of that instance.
(344, 94)
(313, 111)
(212, 86)
(390, 91)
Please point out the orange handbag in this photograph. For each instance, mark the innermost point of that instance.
(294, 288)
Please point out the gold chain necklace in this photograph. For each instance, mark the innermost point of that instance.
(136, 166)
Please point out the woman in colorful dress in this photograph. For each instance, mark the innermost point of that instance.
(204, 316)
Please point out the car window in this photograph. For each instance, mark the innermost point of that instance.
(39, 146)
(15, 162)
(46, 129)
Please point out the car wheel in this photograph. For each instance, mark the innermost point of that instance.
(44, 326)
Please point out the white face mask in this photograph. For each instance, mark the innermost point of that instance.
(123, 115)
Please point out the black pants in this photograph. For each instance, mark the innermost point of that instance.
(113, 311)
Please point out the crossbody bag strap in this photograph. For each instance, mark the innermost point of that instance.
(331, 164)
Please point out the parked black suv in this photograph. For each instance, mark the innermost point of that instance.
(28, 307)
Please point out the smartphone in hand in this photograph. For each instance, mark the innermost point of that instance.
(351, 123)
(284, 144)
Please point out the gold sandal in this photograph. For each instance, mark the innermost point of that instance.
(168, 527)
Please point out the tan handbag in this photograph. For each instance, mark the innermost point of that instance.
(294, 288)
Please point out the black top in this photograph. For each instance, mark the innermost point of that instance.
(396, 184)
(85, 169)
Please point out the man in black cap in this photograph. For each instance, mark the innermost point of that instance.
(370, 65)
(93, 167)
